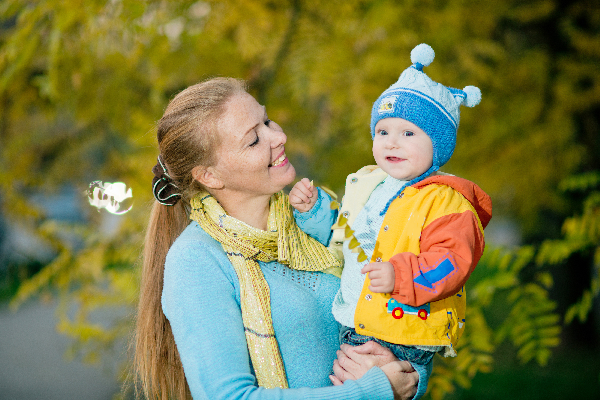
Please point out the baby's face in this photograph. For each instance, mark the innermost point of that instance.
(402, 149)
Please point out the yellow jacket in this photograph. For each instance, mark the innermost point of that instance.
(433, 235)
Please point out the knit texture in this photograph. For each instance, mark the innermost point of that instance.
(366, 227)
(429, 105)
(245, 246)
(201, 299)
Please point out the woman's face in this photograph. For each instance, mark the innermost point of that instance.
(251, 159)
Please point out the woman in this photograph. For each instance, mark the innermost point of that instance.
(239, 309)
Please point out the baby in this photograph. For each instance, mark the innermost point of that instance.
(421, 230)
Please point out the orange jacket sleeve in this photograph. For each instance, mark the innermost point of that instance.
(451, 246)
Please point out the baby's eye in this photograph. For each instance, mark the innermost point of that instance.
(409, 133)
(383, 132)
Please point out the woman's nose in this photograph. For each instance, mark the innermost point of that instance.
(278, 138)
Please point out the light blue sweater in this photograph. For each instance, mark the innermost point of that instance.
(201, 299)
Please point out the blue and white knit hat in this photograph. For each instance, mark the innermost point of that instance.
(431, 106)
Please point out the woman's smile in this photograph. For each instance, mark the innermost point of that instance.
(281, 160)
(251, 160)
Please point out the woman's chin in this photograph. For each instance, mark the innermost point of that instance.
(281, 176)
(290, 174)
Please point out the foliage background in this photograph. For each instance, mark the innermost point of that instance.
(82, 82)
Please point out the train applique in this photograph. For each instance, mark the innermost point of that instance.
(398, 309)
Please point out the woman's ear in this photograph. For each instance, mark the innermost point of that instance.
(207, 177)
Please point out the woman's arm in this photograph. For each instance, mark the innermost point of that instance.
(199, 299)
(317, 222)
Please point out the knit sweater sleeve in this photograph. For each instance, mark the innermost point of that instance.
(317, 221)
(200, 301)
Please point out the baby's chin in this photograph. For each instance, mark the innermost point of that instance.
(402, 177)
(392, 173)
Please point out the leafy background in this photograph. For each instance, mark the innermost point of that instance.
(83, 82)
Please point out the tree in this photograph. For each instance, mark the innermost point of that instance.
(581, 236)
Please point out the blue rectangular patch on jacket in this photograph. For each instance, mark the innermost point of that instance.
(439, 273)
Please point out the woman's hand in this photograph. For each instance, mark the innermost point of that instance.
(404, 379)
(354, 361)
(303, 195)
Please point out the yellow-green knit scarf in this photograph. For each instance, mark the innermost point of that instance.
(245, 246)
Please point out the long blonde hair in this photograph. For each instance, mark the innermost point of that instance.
(187, 138)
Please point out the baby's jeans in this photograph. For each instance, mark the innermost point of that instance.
(421, 360)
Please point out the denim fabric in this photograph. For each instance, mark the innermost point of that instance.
(421, 360)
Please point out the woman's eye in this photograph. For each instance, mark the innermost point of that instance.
(255, 142)
(267, 122)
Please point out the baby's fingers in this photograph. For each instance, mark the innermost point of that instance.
(298, 198)
(368, 268)
(377, 289)
(306, 187)
(308, 184)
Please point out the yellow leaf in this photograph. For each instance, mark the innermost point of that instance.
(348, 232)
(329, 192)
(362, 256)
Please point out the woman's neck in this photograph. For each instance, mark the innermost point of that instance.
(253, 210)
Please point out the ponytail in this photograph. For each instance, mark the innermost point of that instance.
(158, 366)
(187, 138)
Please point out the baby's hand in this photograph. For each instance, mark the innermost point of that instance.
(303, 195)
(382, 276)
